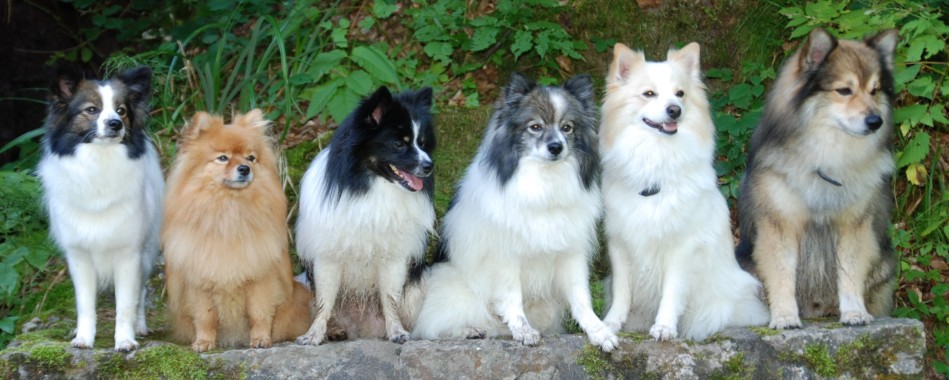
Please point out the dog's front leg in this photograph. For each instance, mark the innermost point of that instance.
(261, 302)
(83, 276)
(128, 288)
(671, 303)
(856, 249)
(326, 282)
(391, 283)
(573, 279)
(205, 316)
(509, 304)
(621, 285)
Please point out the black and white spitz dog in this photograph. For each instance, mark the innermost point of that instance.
(103, 186)
(521, 230)
(365, 217)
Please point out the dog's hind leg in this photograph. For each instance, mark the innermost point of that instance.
(326, 283)
(83, 276)
(128, 291)
(857, 250)
(392, 279)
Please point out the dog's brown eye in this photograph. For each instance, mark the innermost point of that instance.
(222, 158)
(680, 93)
(845, 91)
(874, 91)
(91, 110)
(535, 127)
(649, 94)
(252, 158)
(567, 127)
(120, 111)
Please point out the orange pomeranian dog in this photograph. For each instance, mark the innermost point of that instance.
(227, 267)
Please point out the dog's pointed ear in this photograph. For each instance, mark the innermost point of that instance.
(624, 61)
(885, 44)
(253, 120)
(67, 80)
(424, 97)
(818, 46)
(375, 107)
(518, 85)
(581, 86)
(200, 123)
(139, 82)
(689, 57)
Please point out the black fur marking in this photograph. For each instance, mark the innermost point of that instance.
(828, 179)
(650, 191)
(523, 100)
(363, 147)
(133, 86)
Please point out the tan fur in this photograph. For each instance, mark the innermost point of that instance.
(228, 269)
(815, 202)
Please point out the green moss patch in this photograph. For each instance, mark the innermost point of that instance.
(764, 331)
(734, 369)
(163, 361)
(594, 362)
(817, 358)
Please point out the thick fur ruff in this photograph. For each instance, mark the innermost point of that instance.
(365, 216)
(815, 201)
(667, 224)
(102, 186)
(521, 230)
(228, 270)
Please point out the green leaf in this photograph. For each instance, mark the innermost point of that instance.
(910, 114)
(801, 31)
(8, 324)
(922, 87)
(324, 62)
(903, 76)
(9, 278)
(439, 51)
(360, 82)
(522, 43)
(914, 151)
(38, 258)
(367, 23)
(321, 97)
(342, 103)
(86, 54)
(375, 63)
(483, 38)
(383, 8)
(932, 44)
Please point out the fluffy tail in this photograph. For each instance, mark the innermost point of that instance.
(450, 309)
(294, 317)
(731, 297)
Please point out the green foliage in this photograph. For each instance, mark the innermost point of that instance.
(24, 247)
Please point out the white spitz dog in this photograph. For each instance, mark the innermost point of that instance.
(669, 238)
(519, 235)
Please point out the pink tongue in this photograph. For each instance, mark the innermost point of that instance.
(670, 126)
(414, 182)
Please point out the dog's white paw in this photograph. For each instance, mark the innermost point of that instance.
(603, 338)
(663, 332)
(310, 339)
(855, 318)
(780, 322)
(125, 345)
(526, 335)
(82, 341)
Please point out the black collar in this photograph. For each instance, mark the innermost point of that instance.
(827, 178)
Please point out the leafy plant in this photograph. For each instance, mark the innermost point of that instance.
(24, 247)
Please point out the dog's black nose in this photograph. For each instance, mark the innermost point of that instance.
(243, 170)
(674, 111)
(114, 124)
(874, 122)
(555, 148)
(427, 167)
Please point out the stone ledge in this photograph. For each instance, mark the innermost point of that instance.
(886, 347)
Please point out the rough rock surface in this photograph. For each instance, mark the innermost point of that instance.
(891, 348)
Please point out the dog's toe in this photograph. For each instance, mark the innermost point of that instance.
(663, 332)
(527, 336)
(126, 345)
(261, 342)
(308, 340)
(400, 338)
(81, 342)
(604, 339)
(473, 333)
(202, 345)
(855, 318)
(785, 322)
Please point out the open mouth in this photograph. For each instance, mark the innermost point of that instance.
(408, 181)
(669, 127)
